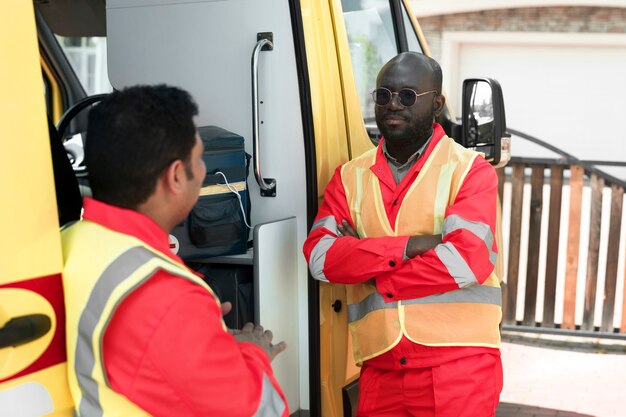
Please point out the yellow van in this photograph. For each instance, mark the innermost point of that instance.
(292, 77)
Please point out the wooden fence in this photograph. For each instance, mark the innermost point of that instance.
(527, 182)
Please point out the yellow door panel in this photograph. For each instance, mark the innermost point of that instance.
(332, 149)
(31, 244)
(337, 367)
(33, 378)
(331, 146)
(43, 392)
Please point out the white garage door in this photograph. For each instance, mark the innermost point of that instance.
(566, 89)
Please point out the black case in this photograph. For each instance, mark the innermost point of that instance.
(232, 283)
(216, 226)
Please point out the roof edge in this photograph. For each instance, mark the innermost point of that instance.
(425, 8)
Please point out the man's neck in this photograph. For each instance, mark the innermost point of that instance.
(401, 152)
(159, 211)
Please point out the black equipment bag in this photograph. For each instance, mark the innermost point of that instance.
(216, 225)
(232, 283)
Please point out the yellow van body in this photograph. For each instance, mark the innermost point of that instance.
(32, 375)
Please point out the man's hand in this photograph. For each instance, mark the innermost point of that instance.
(255, 334)
(344, 229)
(226, 307)
(417, 245)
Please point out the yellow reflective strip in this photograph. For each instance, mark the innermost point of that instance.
(402, 318)
(443, 196)
(469, 165)
(374, 183)
(380, 210)
(222, 188)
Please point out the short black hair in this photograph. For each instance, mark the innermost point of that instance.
(132, 136)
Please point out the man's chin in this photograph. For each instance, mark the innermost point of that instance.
(395, 135)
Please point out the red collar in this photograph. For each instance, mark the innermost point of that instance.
(129, 222)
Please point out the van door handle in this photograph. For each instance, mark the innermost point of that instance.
(24, 329)
(267, 185)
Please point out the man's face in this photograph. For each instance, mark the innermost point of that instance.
(400, 124)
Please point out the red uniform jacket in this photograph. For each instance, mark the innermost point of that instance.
(165, 348)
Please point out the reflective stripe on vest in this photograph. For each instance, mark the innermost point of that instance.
(117, 272)
(127, 271)
(476, 294)
(468, 316)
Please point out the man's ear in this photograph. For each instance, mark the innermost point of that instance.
(440, 101)
(172, 177)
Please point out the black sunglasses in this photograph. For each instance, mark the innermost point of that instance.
(382, 96)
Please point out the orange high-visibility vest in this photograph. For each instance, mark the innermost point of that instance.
(469, 316)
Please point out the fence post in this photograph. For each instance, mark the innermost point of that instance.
(573, 245)
(534, 237)
(517, 195)
(552, 256)
(612, 258)
(597, 185)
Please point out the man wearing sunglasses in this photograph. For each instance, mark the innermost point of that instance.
(410, 226)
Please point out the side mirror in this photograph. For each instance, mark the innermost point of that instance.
(484, 122)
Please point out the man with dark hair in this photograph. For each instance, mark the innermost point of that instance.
(410, 226)
(144, 333)
(127, 177)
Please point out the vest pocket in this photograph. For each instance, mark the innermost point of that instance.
(216, 220)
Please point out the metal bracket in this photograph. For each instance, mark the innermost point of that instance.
(270, 37)
(271, 191)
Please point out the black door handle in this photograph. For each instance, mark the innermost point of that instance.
(24, 329)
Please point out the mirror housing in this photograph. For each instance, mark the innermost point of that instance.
(484, 123)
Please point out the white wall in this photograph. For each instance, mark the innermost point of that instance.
(568, 89)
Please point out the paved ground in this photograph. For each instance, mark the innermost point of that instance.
(551, 382)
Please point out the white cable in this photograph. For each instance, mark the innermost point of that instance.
(234, 191)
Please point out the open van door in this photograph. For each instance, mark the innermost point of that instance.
(32, 333)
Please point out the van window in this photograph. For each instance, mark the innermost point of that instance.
(372, 42)
(411, 36)
(88, 57)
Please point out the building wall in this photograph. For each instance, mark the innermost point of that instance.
(562, 70)
(532, 19)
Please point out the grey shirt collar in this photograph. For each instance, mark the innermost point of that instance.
(398, 169)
